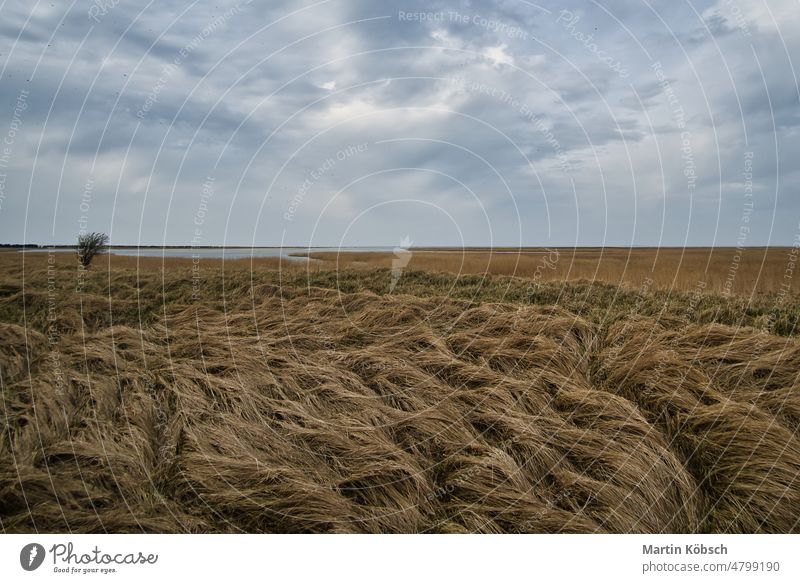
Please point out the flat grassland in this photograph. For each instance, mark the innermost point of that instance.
(268, 396)
(723, 270)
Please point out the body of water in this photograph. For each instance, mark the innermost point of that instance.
(217, 252)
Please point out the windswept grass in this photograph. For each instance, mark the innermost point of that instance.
(229, 399)
(722, 270)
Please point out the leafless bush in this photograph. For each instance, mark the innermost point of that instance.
(90, 245)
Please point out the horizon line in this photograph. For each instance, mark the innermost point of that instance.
(418, 247)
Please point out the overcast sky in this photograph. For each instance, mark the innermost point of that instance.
(355, 122)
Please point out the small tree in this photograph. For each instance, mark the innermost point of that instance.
(89, 245)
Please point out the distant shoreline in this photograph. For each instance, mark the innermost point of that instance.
(368, 248)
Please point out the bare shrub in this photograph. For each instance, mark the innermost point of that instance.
(90, 245)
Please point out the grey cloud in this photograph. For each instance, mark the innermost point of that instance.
(226, 101)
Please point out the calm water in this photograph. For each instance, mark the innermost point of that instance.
(254, 252)
(217, 252)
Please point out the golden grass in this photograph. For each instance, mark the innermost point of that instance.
(14, 262)
(258, 400)
(718, 270)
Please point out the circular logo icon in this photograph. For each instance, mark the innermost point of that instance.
(31, 556)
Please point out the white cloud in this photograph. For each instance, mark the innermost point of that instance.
(498, 55)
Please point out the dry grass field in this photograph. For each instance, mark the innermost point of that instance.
(723, 270)
(269, 396)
